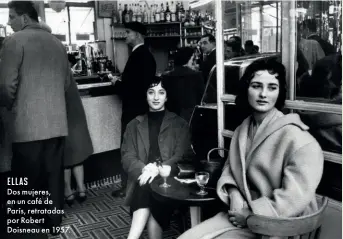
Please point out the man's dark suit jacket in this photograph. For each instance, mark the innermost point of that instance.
(138, 73)
(327, 47)
(185, 89)
(205, 68)
(207, 65)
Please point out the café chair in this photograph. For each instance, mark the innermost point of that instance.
(305, 227)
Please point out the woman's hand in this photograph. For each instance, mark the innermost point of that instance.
(149, 172)
(151, 167)
(239, 218)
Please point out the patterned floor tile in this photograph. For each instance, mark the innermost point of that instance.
(102, 217)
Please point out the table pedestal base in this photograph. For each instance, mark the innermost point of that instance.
(195, 213)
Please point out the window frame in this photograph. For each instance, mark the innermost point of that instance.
(288, 53)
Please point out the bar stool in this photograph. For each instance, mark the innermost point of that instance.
(305, 227)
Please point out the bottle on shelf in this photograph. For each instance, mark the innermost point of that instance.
(120, 14)
(125, 14)
(134, 13)
(145, 14)
(162, 14)
(114, 17)
(167, 13)
(140, 14)
(181, 14)
(157, 14)
(177, 11)
(152, 13)
(130, 13)
(173, 12)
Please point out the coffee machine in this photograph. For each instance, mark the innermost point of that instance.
(97, 60)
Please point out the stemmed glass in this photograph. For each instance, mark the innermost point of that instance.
(202, 179)
(164, 173)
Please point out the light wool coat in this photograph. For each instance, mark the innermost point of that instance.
(34, 74)
(277, 176)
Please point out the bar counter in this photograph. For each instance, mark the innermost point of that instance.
(103, 112)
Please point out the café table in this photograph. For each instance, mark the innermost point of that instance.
(183, 194)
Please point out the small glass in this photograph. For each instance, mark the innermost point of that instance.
(164, 171)
(202, 179)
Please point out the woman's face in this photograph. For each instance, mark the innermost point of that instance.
(263, 91)
(156, 97)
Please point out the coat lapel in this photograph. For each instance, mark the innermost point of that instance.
(143, 131)
(242, 141)
(166, 121)
(264, 130)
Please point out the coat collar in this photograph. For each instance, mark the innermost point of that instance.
(32, 26)
(143, 127)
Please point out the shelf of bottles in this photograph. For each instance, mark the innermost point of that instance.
(169, 16)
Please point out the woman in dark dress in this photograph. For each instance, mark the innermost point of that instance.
(78, 146)
(159, 134)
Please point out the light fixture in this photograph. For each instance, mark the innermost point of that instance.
(56, 5)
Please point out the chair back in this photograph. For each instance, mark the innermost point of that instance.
(304, 227)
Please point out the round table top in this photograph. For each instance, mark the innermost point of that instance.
(181, 191)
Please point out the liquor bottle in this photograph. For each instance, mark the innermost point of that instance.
(114, 17)
(145, 14)
(130, 13)
(182, 13)
(162, 14)
(134, 13)
(152, 13)
(157, 14)
(179, 12)
(139, 13)
(125, 15)
(173, 12)
(120, 14)
(167, 13)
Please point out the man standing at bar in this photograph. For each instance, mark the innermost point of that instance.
(208, 46)
(34, 75)
(139, 71)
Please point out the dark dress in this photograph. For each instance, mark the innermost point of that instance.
(78, 145)
(143, 193)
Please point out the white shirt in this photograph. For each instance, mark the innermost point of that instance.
(136, 46)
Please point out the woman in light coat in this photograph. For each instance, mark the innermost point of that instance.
(159, 134)
(274, 165)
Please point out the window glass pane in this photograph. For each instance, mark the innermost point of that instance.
(58, 21)
(4, 20)
(326, 128)
(81, 25)
(319, 60)
(261, 24)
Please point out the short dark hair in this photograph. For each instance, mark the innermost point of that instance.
(235, 45)
(236, 38)
(249, 43)
(211, 38)
(24, 7)
(256, 48)
(183, 55)
(157, 80)
(273, 67)
(310, 24)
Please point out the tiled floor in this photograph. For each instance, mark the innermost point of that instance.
(102, 217)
